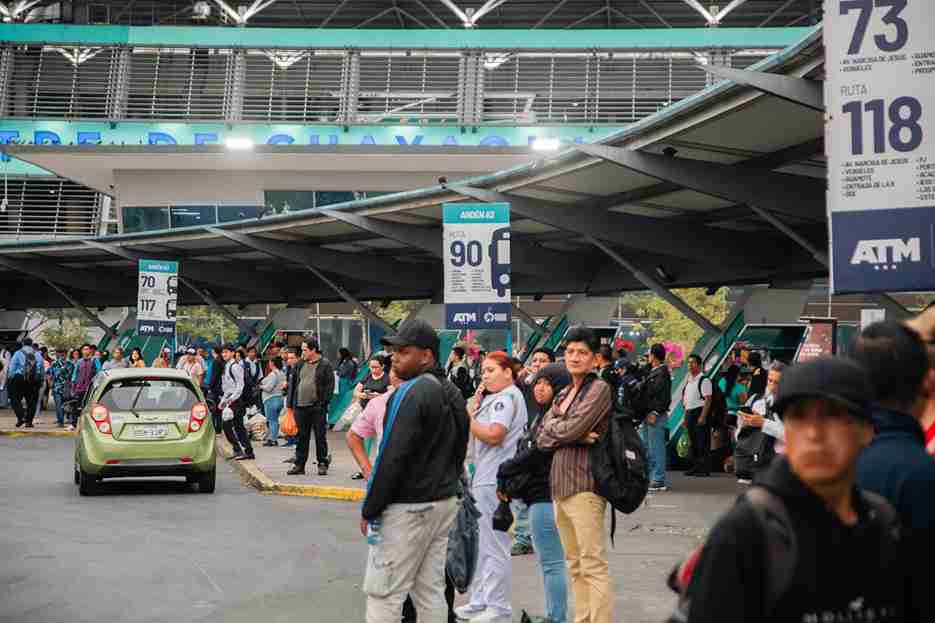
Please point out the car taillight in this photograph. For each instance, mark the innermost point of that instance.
(101, 417)
(197, 420)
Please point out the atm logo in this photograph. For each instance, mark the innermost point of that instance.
(464, 318)
(888, 253)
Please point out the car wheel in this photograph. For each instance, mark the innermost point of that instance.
(191, 479)
(206, 482)
(87, 483)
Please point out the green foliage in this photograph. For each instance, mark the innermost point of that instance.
(67, 333)
(396, 310)
(205, 321)
(668, 323)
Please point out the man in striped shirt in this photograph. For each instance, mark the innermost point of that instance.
(578, 416)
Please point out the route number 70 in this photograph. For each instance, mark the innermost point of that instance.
(891, 18)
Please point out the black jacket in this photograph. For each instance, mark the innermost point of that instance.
(324, 381)
(530, 460)
(658, 390)
(842, 572)
(897, 467)
(423, 450)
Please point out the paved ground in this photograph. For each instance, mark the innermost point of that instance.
(154, 551)
(339, 474)
(45, 421)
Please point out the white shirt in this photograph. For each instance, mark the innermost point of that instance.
(772, 426)
(507, 408)
(693, 399)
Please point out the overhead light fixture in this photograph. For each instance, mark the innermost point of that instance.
(546, 144)
(238, 143)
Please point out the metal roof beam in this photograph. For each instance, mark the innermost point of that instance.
(213, 304)
(701, 11)
(772, 15)
(552, 11)
(333, 14)
(461, 15)
(637, 232)
(802, 91)
(59, 274)
(793, 195)
(301, 255)
(656, 13)
(727, 10)
(358, 266)
(108, 330)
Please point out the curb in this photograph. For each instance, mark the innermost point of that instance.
(257, 478)
(36, 433)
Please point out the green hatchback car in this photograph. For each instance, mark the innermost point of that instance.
(144, 422)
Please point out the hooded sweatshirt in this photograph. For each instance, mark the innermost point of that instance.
(844, 574)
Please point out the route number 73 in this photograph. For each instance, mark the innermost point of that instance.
(891, 18)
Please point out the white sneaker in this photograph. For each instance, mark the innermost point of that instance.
(744, 481)
(468, 612)
(492, 616)
(70, 427)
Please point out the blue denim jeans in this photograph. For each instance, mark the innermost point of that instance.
(654, 438)
(552, 560)
(520, 523)
(272, 407)
(59, 407)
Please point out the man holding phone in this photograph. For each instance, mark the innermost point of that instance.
(760, 432)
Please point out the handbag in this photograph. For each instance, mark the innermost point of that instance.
(502, 517)
(287, 425)
(463, 543)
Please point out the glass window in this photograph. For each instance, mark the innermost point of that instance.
(285, 201)
(227, 214)
(189, 216)
(139, 219)
(143, 394)
(331, 197)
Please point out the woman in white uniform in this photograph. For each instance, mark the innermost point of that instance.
(496, 424)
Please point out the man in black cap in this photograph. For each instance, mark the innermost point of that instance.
(411, 501)
(805, 544)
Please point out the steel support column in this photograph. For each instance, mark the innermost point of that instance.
(234, 86)
(213, 304)
(87, 313)
(802, 91)
(471, 88)
(350, 87)
(660, 290)
(118, 85)
(6, 72)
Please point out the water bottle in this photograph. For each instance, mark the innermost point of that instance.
(374, 532)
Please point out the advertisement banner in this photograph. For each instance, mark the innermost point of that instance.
(880, 100)
(820, 339)
(477, 265)
(157, 299)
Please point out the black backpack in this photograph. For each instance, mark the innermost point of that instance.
(782, 548)
(29, 370)
(619, 466)
(718, 414)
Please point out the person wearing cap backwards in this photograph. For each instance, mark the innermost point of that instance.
(846, 564)
(232, 388)
(411, 500)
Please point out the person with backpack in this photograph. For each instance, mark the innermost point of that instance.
(232, 397)
(411, 503)
(655, 397)
(760, 434)
(526, 477)
(26, 372)
(458, 372)
(697, 400)
(806, 543)
(579, 415)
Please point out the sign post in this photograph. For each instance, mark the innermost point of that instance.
(880, 143)
(157, 300)
(477, 265)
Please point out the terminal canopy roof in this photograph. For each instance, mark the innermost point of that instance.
(726, 187)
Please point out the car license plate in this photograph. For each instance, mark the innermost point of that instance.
(150, 431)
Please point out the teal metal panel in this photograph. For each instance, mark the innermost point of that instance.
(437, 39)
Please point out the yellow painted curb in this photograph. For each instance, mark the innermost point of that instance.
(36, 433)
(258, 479)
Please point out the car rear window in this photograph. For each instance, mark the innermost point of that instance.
(148, 395)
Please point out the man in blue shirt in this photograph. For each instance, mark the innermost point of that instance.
(25, 378)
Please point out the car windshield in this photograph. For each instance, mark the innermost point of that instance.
(148, 395)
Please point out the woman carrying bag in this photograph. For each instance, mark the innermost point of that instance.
(526, 477)
(272, 398)
(497, 423)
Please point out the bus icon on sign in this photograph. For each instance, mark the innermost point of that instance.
(500, 260)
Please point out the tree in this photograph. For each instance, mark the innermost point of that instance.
(668, 323)
(205, 321)
(65, 334)
(395, 311)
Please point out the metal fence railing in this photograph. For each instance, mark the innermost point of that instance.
(47, 208)
(351, 86)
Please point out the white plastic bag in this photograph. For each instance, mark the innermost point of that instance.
(227, 414)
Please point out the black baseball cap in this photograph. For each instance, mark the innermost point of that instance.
(837, 379)
(416, 333)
